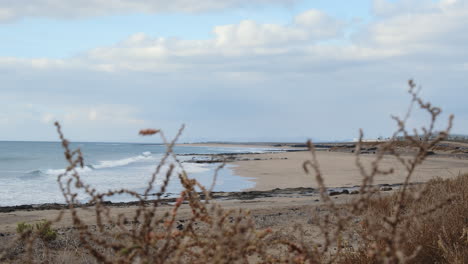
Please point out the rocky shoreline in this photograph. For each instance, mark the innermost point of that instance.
(244, 195)
(447, 150)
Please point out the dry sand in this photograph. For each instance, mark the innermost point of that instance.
(259, 207)
(285, 170)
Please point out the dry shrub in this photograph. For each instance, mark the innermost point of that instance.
(438, 235)
(442, 234)
(416, 224)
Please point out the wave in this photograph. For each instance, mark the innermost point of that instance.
(56, 172)
(122, 162)
(109, 164)
(105, 164)
(31, 174)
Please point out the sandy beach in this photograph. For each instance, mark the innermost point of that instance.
(280, 193)
(284, 170)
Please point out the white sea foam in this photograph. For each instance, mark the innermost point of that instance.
(122, 162)
(105, 164)
(60, 171)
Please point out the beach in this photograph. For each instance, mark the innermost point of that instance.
(278, 170)
(282, 195)
(285, 169)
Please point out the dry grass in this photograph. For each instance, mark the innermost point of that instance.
(437, 234)
(422, 224)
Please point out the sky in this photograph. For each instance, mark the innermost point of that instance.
(230, 70)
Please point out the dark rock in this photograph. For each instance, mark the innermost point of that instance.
(386, 189)
(180, 226)
(333, 193)
(6, 209)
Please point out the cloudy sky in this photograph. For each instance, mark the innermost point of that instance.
(282, 70)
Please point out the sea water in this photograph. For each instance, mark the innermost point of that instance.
(29, 170)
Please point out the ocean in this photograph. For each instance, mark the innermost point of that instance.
(29, 170)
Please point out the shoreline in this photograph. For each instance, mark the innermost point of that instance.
(282, 171)
(281, 184)
(260, 203)
(215, 196)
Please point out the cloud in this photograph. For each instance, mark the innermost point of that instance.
(67, 9)
(107, 114)
(228, 51)
(312, 40)
(35, 63)
(233, 44)
(420, 26)
(251, 79)
(47, 118)
(17, 116)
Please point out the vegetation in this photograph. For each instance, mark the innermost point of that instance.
(416, 224)
(24, 229)
(42, 229)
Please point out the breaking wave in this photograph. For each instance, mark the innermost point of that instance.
(105, 164)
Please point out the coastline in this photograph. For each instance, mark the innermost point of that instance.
(285, 169)
(279, 182)
(338, 164)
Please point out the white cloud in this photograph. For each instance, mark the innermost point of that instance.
(420, 26)
(47, 118)
(35, 63)
(105, 114)
(386, 8)
(34, 118)
(92, 115)
(250, 34)
(319, 24)
(230, 43)
(66, 9)
(6, 14)
(277, 73)
(436, 29)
